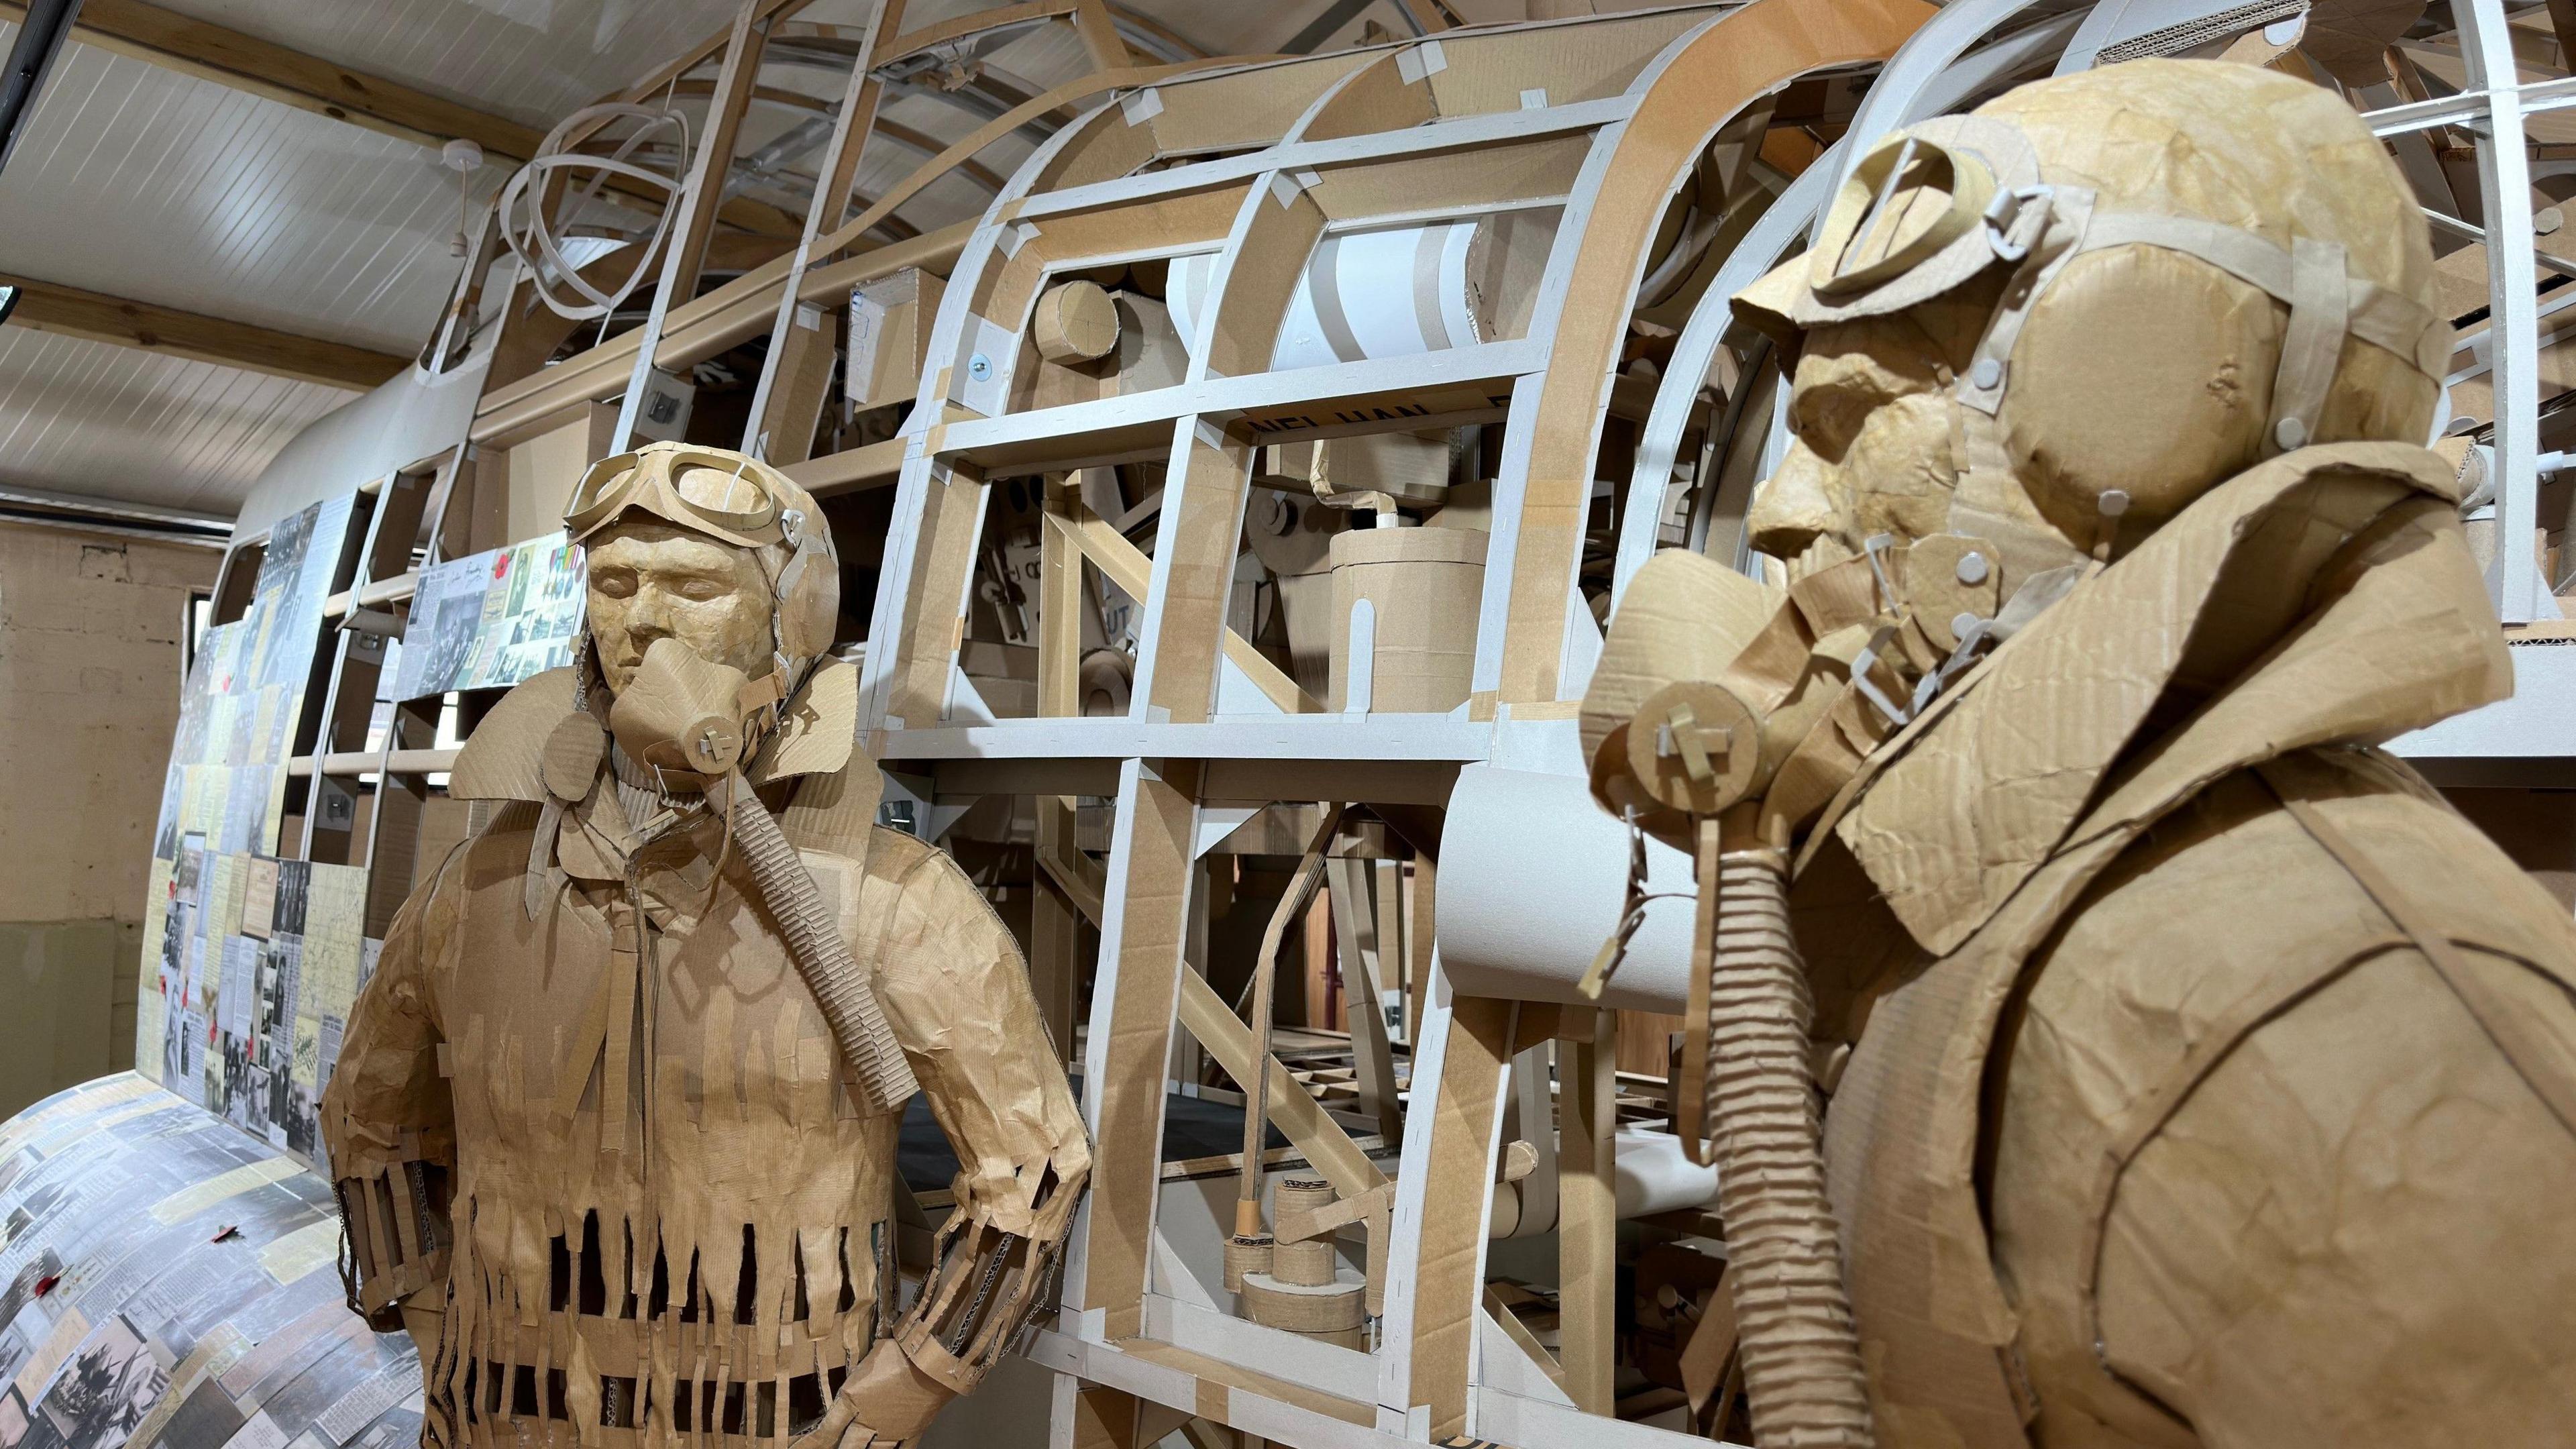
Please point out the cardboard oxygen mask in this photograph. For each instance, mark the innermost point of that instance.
(688, 718)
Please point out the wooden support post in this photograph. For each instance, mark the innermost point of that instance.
(686, 253)
(1192, 582)
(1067, 891)
(1373, 1060)
(1055, 954)
(714, 162)
(1133, 1006)
(932, 622)
(1099, 36)
(1436, 1234)
(1587, 1214)
(783, 417)
(1060, 599)
(1420, 936)
(798, 378)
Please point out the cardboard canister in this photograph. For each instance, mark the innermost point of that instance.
(1424, 586)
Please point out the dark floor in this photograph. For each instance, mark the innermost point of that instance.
(1191, 1128)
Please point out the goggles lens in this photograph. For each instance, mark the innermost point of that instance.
(703, 489)
(721, 491)
(1908, 199)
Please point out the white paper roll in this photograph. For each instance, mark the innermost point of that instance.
(1532, 878)
(1654, 1176)
(1391, 292)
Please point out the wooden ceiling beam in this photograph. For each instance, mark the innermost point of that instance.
(71, 312)
(263, 68)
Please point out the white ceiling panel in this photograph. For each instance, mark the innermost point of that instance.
(531, 60)
(142, 183)
(116, 422)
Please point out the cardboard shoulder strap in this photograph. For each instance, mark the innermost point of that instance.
(2508, 1027)
(2511, 1031)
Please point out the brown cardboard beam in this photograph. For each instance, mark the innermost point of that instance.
(266, 69)
(72, 312)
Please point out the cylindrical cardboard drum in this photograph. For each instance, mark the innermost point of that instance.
(1424, 586)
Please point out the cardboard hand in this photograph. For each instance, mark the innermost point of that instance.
(888, 1401)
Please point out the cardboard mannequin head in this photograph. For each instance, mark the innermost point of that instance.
(709, 548)
(651, 579)
(1975, 356)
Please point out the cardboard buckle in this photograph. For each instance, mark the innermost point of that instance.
(2016, 217)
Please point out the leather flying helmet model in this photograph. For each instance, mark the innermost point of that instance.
(2005, 265)
(736, 499)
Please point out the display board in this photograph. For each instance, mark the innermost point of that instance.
(244, 695)
(259, 961)
(166, 1283)
(492, 619)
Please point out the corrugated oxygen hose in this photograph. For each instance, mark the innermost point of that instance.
(1802, 1368)
(814, 942)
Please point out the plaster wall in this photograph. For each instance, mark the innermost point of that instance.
(89, 696)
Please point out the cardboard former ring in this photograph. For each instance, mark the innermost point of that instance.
(1694, 747)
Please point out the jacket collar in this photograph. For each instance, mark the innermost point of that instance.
(2241, 630)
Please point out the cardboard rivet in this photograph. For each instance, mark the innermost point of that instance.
(1988, 374)
(2291, 434)
(1960, 623)
(979, 367)
(1972, 569)
(2113, 502)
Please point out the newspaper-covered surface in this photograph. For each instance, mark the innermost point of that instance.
(245, 693)
(248, 995)
(166, 1283)
(234, 1008)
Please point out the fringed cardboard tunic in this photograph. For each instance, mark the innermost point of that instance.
(614, 1135)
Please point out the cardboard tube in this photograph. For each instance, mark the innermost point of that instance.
(1385, 292)
(1532, 882)
(1801, 1354)
(1653, 1175)
(848, 998)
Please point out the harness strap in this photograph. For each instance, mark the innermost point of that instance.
(2506, 1026)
